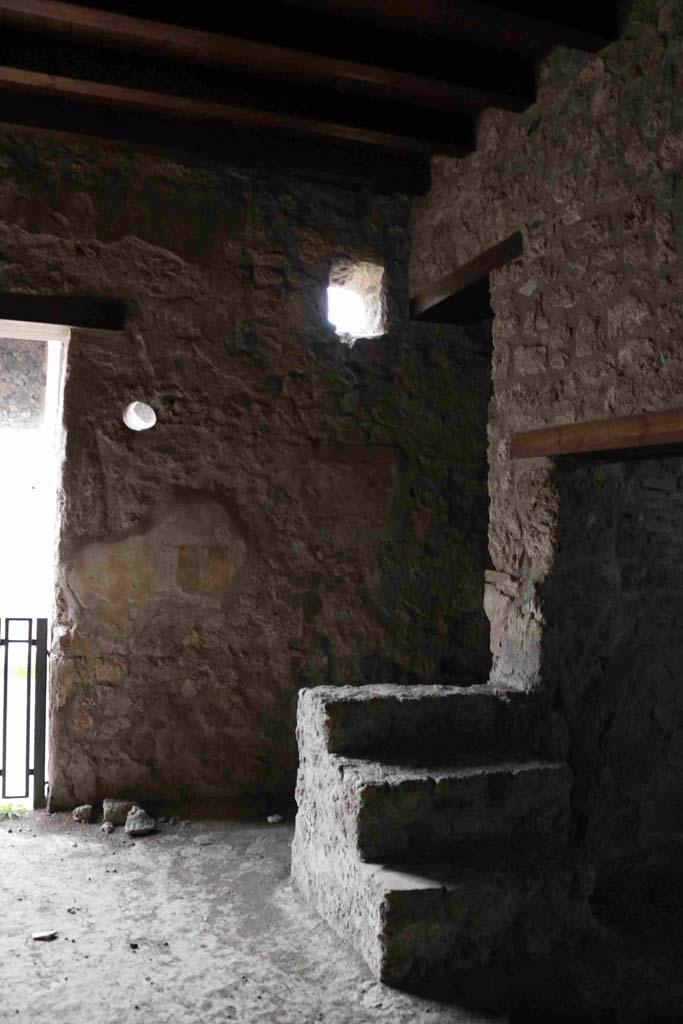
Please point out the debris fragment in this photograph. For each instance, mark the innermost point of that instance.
(44, 936)
(274, 819)
(82, 813)
(107, 827)
(116, 811)
(139, 823)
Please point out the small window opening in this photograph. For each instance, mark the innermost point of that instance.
(139, 416)
(355, 301)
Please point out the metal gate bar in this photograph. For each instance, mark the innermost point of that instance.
(39, 795)
(36, 709)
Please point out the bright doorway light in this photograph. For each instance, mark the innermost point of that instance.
(32, 358)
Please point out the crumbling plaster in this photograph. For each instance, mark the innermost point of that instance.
(304, 511)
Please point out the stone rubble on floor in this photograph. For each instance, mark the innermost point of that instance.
(136, 820)
(116, 811)
(139, 822)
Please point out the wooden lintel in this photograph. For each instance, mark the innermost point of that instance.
(190, 109)
(70, 310)
(626, 433)
(462, 296)
(261, 59)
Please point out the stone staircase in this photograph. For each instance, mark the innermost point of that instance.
(431, 835)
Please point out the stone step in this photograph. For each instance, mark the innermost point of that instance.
(450, 920)
(397, 812)
(427, 722)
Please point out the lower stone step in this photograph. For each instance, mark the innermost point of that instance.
(440, 921)
(397, 812)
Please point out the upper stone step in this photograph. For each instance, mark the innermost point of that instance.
(429, 723)
(398, 812)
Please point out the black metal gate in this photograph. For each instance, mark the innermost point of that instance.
(23, 659)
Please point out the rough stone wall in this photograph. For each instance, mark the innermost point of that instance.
(587, 325)
(22, 383)
(303, 511)
(612, 651)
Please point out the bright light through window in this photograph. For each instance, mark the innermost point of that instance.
(346, 311)
(355, 300)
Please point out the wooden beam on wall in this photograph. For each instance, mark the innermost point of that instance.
(188, 108)
(625, 433)
(257, 58)
(462, 296)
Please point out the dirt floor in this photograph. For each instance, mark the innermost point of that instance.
(199, 923)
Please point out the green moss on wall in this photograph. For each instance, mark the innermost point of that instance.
(430, 600)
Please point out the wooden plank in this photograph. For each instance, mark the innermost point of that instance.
(187, 108)
(69, 310)
(257, 58)
(471, 280)
(652, 429)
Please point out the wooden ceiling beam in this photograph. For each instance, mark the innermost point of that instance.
(479, 23)
(261, 59)
(189, 109)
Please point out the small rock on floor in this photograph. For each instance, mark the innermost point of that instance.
(139, 823)
(107, 827)
(116, 811)
(44, 936)
(82, 814)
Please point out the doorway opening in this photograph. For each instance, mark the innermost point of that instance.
(32, 359)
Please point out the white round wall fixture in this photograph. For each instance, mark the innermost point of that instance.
(139, 416)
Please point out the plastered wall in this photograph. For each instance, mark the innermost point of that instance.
(302, 512)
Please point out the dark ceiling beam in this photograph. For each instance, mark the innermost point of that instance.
(262, 59)
(186, 108)
(480, 23)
